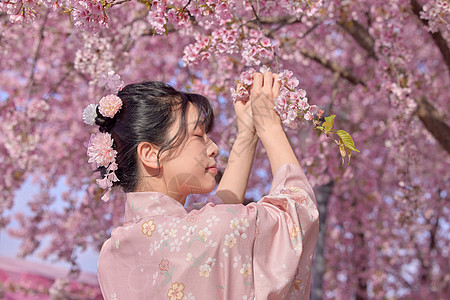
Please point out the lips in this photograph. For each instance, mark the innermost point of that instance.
(212, 169)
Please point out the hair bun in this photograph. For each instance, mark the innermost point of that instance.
(105, 123)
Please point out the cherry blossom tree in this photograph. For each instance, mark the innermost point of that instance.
(382, 67)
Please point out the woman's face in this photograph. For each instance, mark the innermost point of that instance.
(191, 167)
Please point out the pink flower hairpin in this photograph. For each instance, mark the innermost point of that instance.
(100, 148)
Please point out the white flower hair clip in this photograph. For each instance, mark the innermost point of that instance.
(100, 148)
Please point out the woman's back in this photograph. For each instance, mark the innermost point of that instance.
(260, 251)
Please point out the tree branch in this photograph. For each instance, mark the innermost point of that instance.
(332, 66)
(437, 36)
(433, 122)
(277, 20)
(119, 2)
(361, 36)
(152, 32)
(426, 112)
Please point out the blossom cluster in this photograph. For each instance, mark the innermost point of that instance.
(437, 14)
(291, 104)
(89, 15)
(226, 41)
(157, 17)
(207, 13)
(19, 10)
(222, 41)
(256, 47)
(95, 57)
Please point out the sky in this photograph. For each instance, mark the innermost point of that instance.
(9, 246)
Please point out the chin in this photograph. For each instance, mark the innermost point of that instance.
(209, 190)
(200, 190)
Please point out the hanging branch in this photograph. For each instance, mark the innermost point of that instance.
(437, 36)
(433, 122)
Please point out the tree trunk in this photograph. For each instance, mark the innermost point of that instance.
(323, 194)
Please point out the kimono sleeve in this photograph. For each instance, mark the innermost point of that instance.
(287, 231)
(198, 205)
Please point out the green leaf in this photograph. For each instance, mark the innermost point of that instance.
(330, 119)
(343, 152)
(347, 140)
(349, 152)
(328, 124)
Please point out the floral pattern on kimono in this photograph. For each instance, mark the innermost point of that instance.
(220, 251)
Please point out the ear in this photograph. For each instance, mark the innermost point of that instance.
(148, 154)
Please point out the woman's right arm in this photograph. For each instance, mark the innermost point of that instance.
(268, 123)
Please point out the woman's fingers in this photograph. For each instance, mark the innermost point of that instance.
(267, 84)
(257, 81)
(276, 86)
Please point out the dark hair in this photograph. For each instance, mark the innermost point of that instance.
(148, 111)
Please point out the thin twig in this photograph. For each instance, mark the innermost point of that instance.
(185, 7)
(261, 27)
(36, 56)
(58, 84)
(120, 2)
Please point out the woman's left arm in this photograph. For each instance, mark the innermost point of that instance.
(234, 181)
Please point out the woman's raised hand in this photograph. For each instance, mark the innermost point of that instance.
(244, 117)
(264, 90)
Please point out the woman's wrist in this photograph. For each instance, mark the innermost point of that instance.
(270, 134)
(266, 128)
(247, 133)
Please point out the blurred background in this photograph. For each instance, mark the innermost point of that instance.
(381, 67)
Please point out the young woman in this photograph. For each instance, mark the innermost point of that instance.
(222, 250)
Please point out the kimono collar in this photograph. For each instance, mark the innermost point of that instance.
(140, 205)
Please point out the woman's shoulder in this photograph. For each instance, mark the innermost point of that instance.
(211, 218)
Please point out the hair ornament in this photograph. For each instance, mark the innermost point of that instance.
(100, 148)
(109, 105)
(89, 114)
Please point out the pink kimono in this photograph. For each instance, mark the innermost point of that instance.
(221, 251)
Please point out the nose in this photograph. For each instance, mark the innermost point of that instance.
(213, 150)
